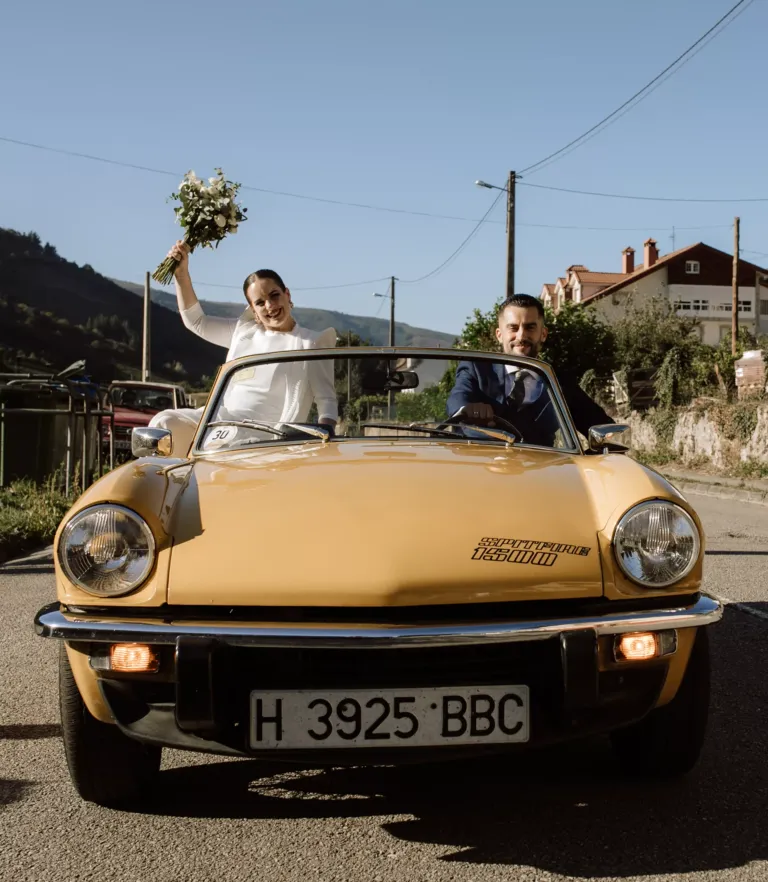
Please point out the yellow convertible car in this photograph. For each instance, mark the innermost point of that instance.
(413, 585)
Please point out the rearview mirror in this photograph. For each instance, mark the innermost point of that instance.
(384, 380)
(610, 438)
(149, 441)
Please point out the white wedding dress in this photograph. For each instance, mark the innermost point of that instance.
(271, 393)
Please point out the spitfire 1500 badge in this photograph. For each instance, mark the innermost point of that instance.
(525, 551)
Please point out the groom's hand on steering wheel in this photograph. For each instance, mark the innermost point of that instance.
(476, 413)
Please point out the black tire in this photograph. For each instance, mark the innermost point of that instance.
(106, 767)
(668, 741)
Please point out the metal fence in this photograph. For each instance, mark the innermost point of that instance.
(50, 421)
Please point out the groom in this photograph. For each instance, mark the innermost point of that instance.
(484, 390)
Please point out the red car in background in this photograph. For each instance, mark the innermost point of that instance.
(135, 403)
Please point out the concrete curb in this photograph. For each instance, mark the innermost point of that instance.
(718, 491)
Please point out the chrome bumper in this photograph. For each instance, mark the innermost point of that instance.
(52, 622)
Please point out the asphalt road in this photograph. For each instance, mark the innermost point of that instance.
(559, 814)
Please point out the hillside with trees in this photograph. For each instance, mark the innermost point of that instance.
(54, 312)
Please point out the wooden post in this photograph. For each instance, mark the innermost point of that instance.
(145, 358)
(735, 290)
(511, 234)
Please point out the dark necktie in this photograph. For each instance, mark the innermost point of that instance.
(517, 395)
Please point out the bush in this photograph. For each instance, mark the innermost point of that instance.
(30, 515)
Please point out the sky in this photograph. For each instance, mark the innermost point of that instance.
(400, 105)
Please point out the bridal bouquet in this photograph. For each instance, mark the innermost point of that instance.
(208, 212)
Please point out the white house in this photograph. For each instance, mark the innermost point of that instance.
(696, 279)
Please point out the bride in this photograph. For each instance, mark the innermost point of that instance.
(275, 393)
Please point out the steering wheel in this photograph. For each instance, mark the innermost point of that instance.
(497, 422)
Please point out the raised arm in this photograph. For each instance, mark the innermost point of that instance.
(215, 329)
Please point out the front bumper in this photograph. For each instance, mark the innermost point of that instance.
(200, 698)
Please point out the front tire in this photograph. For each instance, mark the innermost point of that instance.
(668, 741)
(106, 767)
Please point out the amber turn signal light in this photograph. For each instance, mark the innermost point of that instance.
(637, 647)
(133, 658)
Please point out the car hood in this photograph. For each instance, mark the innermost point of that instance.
(379, 523)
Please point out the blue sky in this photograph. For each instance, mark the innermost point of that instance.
(400, 104)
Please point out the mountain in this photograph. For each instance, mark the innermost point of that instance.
(54, 312)
(375, 330)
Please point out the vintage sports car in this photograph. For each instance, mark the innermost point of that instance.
(413, 586)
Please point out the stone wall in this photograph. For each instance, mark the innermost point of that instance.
(721, 435)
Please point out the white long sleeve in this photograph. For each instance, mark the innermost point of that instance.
(213, 328)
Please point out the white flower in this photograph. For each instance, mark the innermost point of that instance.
(221, 221)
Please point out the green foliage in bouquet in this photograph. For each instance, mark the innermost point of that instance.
(208, 213)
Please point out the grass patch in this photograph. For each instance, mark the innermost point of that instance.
(29, 515)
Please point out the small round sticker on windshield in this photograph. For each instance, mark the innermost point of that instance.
(219, 437)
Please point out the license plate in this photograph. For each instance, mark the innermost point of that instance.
(389, 717)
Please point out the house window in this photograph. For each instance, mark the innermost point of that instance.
(701, 305)
(745, 306)
(692, 267)
(764, 307)
(684, 305)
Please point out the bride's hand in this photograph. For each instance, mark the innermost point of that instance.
(180, 252)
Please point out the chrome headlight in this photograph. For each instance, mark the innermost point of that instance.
(656, 544)
(107, 550)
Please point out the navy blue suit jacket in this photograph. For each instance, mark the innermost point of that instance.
(484, 382)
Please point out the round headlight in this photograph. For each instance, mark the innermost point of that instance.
(656, 544)
(107, 550)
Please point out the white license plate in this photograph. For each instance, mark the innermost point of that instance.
(389, 717)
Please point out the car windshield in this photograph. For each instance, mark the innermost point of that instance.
(495, 400)
(142, 397)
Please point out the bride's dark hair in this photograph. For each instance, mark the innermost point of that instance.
(262, 274)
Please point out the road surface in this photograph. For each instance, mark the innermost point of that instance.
(562, 814)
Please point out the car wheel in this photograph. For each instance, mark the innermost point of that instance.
(106, 766)
(667, 742)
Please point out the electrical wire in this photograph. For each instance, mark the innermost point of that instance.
(642, 198)
(440, 267)
(640, 94)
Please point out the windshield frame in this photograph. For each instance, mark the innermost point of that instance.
(389, 352)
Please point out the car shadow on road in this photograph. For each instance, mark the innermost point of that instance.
(568, 811)
(33, 732)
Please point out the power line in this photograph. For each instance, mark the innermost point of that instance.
(594, 134)
(639, 95)
(440, 267)
(642, 198)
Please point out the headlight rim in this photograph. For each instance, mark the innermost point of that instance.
(647, 503)
(91, 509)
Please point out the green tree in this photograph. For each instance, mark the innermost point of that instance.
(646, 332)
(578, 341)
(479, 332)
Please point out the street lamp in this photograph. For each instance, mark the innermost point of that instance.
(510, 191)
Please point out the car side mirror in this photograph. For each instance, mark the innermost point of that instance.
(149, 441)
(610, 438)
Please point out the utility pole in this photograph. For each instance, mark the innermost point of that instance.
(145, 364)
(392, 311)
(391, 395)
(735, 289)
(349, 370)
(511, 234)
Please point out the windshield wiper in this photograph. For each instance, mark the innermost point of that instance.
(315, 431)
(416, 427)
(496, 434)
(247, 424)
